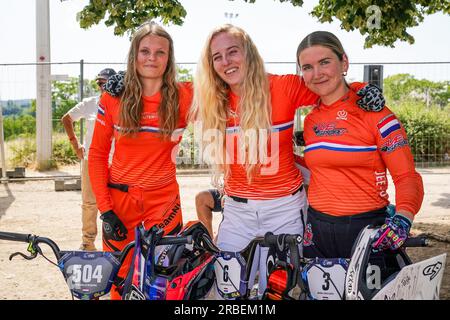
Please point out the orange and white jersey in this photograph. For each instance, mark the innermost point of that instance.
(279, 177)
(144, 159)
(348, 150)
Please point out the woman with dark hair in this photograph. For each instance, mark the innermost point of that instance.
(348, 151)
(147, 122)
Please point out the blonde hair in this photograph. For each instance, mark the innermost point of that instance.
(211, 102)
(131, 104)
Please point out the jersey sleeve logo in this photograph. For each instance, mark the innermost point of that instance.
(101, 109)
(388, 124)
(394, 143)
(101, 114)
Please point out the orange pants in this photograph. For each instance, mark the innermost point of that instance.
(150, 207)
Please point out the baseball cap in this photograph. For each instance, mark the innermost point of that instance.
(105, 74)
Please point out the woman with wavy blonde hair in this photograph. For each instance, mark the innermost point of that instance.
(255, 108)
(146, 120)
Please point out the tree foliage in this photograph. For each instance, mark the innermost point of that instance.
(405, 87)
(65, 95)
(381, 22)
(423, 107)
(126, 15)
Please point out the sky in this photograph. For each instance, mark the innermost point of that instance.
(276, 28)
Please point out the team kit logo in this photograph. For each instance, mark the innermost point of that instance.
(386, 127)
(341, 115)
(388, 124)
(328, 129)
(394, 143)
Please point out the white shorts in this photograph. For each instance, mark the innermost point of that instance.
(242, 222)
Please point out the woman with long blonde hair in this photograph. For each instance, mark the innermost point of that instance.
(146, 122)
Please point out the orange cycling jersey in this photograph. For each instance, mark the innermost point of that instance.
(348, 150)
(279, 177)
(144, 160)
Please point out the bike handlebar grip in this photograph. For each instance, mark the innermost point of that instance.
(416, 242)
(175, 240)
(9, 236)
(294, 238)
(270, 239)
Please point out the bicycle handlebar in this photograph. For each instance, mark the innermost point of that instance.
(33, 241)
(416, 242)
(36, 240)
(287, 239)
(168, 240)
(10, 236)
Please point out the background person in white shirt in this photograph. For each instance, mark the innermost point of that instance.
(86, 109)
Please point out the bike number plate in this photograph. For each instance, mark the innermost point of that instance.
(89, 275)
(229, 272)
(325, 278)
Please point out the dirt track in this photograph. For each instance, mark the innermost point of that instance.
(34, 207)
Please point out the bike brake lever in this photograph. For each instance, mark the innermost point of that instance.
(32, 249)
(30, 257)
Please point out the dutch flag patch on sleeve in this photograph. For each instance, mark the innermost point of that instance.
(388, 124)
(101, 109)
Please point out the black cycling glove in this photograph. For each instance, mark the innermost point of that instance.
(113, 228)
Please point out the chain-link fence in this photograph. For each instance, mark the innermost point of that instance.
(18, 94)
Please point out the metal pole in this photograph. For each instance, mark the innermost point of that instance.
(81, 96)
(43, 86)
(4, 178)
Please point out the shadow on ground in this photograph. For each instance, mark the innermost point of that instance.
(6, 198)
(443, 202)
(439, 242)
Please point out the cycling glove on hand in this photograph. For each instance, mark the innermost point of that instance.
(392, 233)
(372, 98)
(113, 228)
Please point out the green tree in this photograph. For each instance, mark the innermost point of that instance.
(126, 15)
(65, 95)
(184, 75)
(381, 22)
(428, 129)
(401, 87)
(15, 126)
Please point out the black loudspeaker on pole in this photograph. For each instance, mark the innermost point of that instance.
(373, 73)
